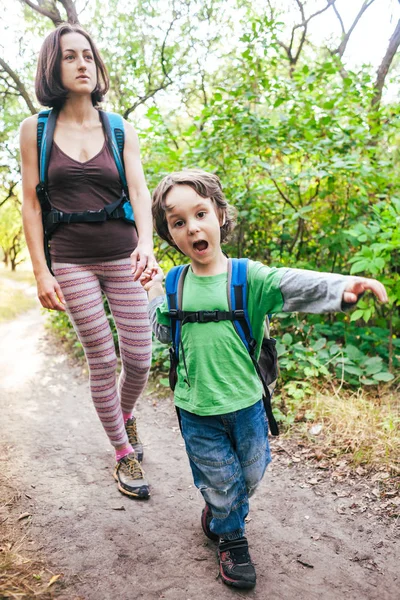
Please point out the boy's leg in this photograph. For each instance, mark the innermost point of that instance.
(251, 444)
(128, 304)
(216, 472)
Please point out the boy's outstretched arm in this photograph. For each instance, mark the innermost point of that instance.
(315, 292)
(151, 280)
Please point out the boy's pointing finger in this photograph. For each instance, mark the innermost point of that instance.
(377, 288)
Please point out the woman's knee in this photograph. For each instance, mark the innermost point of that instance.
(102, 364)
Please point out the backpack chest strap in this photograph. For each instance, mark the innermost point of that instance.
(205, 316)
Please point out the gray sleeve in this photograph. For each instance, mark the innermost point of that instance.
(313, 292)
(162, 332)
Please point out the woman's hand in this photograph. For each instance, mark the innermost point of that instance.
(142, 258)
(49, 293)
(358, 285)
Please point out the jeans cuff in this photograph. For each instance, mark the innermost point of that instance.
(231, 536)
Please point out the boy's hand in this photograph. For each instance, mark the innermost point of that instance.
(151, 277)
(358, 285)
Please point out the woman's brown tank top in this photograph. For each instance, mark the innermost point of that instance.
(74, 187)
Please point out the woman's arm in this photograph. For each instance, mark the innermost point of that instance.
(49, 292)
(139, 195)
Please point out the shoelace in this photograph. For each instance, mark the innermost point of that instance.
(133, 467)
(132, 432)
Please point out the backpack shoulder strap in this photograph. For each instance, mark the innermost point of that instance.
(46, 124)
(174, 290)
(237, 300)
(115, 133)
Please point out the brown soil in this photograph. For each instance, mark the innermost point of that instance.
(311, 536)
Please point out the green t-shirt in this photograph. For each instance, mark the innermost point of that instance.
(221, 377)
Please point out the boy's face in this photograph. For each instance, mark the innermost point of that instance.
(194, 225)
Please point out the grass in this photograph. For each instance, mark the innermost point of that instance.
(360, 427)
(14, 299)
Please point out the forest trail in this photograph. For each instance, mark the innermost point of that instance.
(306, 541)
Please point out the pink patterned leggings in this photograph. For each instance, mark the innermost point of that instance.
(82, 286)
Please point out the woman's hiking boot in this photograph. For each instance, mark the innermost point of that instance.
(206, 517)
(235, 566)
(133, 437)
(130, 477)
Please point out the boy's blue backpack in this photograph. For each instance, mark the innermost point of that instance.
(113, 126)
(267, 364)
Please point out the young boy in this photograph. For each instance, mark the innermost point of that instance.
(218, 392)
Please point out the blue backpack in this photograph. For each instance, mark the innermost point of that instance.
(113, 126)
(267, 364)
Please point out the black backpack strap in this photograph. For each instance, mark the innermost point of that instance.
(204, 316)
(54, 217)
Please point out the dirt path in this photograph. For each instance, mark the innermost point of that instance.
(305, 539)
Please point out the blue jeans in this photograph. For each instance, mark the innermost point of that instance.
(228, 456)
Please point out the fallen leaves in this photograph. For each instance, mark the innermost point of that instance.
(54, 579)
(24, 515)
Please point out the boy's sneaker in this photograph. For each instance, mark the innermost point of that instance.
(130, 476)
(131, 430)
(235, 566)
(206, 517)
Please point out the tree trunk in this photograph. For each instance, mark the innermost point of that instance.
(384, 67)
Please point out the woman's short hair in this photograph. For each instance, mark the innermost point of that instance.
(206, 185)
(48, 86)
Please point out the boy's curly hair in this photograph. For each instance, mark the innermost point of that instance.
(206, 185)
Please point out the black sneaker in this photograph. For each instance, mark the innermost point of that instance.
(206, 516)
(130, 476)
(131, 430)
(235, 566)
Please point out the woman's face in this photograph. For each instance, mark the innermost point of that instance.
(78, 68)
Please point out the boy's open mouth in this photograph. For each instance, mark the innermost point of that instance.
(200, 246)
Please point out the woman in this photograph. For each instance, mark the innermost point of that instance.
(90, 258)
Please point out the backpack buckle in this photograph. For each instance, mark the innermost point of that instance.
(239, 314)
(207, 316)
(55, 217)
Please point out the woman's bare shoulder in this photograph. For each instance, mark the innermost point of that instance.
(28, 128)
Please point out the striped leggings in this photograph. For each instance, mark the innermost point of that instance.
(82, 286)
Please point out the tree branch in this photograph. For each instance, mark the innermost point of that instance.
(70, 9)
(142, 99)
(19, 85)
(383, 69)
(163, 49)
(280, 192)
(343, 45)
(293, 58)
(340, 19)
(10, 194)
(53, 15)
(163, 85)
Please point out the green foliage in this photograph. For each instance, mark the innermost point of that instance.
(310, 169)
(11, 239)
